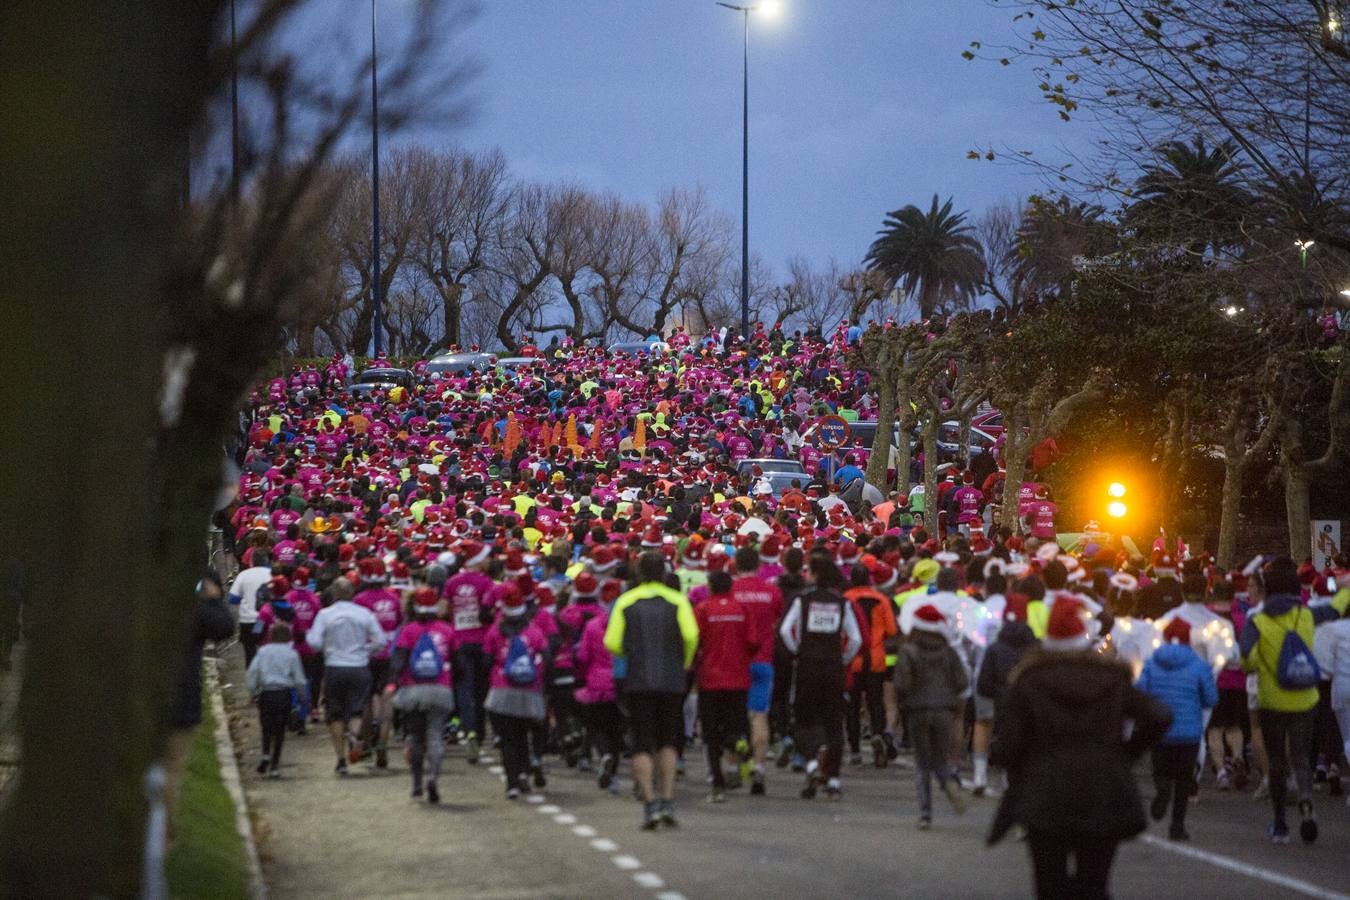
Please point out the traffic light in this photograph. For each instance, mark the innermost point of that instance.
(1116, 508)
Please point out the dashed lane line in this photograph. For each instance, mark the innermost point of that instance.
(1298, 885)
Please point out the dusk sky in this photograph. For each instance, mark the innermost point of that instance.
(856, 107)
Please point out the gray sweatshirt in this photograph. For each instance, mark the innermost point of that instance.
(276, 667)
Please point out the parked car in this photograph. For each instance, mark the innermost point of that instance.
(459, 363)
(949, 439)
(770, 465)
(389, 377)
(633, 348)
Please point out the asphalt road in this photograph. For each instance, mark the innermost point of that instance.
(363, 836)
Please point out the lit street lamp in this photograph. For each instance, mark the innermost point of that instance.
(769, 8)
(375, 190)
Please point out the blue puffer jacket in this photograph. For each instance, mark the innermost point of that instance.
(1178, 677)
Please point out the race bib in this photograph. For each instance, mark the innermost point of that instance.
(466, 618)
(822, 618)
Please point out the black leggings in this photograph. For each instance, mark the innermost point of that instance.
(274, 713)
(1288, 737)
(819, 714)
(1050, 865)
(605, 726)
(1174, 776)
(869, 683)
(723, 716)
(515, 734)
(248, 639)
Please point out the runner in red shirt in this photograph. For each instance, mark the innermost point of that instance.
(763, 604)
(726, 646)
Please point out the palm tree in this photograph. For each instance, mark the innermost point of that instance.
(1190, 196)
(1051, 234)
(932, 257)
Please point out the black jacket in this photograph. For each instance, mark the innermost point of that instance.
(1013, 641)
(1059, 733)
(928, 673)
(211, 621)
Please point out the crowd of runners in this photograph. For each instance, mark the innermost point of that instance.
(585, 562)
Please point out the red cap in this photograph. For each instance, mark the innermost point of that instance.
(279, 586)
(426, 600)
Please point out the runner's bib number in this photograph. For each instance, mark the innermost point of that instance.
(822, 618)
(466, 618)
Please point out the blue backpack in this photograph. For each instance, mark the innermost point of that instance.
(519, 668)
(425, 662)
(1297, 668)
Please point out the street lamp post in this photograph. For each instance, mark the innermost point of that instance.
(375, 189)
(745, 165)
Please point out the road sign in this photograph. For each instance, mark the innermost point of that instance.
(833, 431)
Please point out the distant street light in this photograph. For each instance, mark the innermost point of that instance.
(771, 9)
(1303, 247)
(375, 190)
(1345, 293)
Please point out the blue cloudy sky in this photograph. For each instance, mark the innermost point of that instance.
(856, 106)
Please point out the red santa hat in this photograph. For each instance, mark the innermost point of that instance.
(473, 553)
(1178, 631)
(929, 618)
(1066, 629)
(426, 601)
(769, 550)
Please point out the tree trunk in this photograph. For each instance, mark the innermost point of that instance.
(880, 459)
(930, 457)
(1298, 511)
(1230, 507)
(105, 181)
(904, 452)
(364, 329)
(452, 296)
(1014, 465)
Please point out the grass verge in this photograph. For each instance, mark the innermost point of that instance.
(207, 859)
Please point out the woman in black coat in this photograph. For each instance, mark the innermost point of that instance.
(1060, 736)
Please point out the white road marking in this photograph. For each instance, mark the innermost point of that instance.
(604, 845)
(496, 770)
(626, 862)
(1306, 888)
(549, 809)
(565, 819)
(670, 895)
(534, 798)
(585, 831)
(649, 880)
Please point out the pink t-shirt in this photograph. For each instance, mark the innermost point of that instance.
(442, 635)
(385, 604)
(468, 593)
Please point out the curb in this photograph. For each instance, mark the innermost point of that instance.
(229, 775)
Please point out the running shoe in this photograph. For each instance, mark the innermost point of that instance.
(1262, 790)
(757, 785)
(925, 822)
(609, 764)
(1278, 833)
(666, 810)
(416, 791)
(356, 750)
(433, 793)
(1178, 833)
(833, 789)
(585, 766)
(471, 749)
(879, 758)
(715, 796)
(537, 771)
(651, 815)
(1334, 781)
(513, 793)
(523, 783)
(1158, 808)
(381, 758)
(958, 799)
(815, 777)
(1307, 828)
(1223, 780)
(784, 753)
(274, 772)
(341, 768)
(743, 756)
(263, 765)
